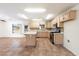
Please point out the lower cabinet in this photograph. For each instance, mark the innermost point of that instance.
(43, 34)
(58, 38)
(30, 40)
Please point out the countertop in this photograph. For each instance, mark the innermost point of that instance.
(36, 31)
(30, 32)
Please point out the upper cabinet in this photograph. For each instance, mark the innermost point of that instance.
(48, 24)
(33, 25)
(67, 16)
(59, 22)
(61, 19)
(54, 21)
(70, 15)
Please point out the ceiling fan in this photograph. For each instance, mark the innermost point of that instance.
(3, 20)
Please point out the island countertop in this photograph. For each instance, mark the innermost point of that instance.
(30, 32)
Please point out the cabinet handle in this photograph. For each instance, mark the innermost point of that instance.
(63, 18)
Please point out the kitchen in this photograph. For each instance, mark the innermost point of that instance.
(29, 29)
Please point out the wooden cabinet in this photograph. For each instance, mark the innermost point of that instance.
(59, 24)
(54, 21)
(34, 24)
(30, 40)
(70, 15)
(57, 21)
(61, 18)
(58, 38)
(48, 24)
(43, 34)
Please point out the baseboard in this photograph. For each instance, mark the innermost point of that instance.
(69, 51)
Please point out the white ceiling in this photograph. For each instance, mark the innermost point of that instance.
(12, 9)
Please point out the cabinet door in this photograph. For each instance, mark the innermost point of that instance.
(54, 21)
(70, 15)
(61, 24)
(43, 35)
(62, 18)
(30, 40)
(48, 24)
(58, 38)
(61, 21)
(66, 17)
(34, 24)
(58, 23)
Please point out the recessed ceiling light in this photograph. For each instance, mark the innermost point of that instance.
(49, 16)
(35, 10)
(37, 19)
(23, 16)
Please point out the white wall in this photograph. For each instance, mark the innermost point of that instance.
(3, 29)
(6, 29)
(71, 32)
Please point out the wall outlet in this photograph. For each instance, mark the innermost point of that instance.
(68, 41)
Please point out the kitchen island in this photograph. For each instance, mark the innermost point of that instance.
(30, 38)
